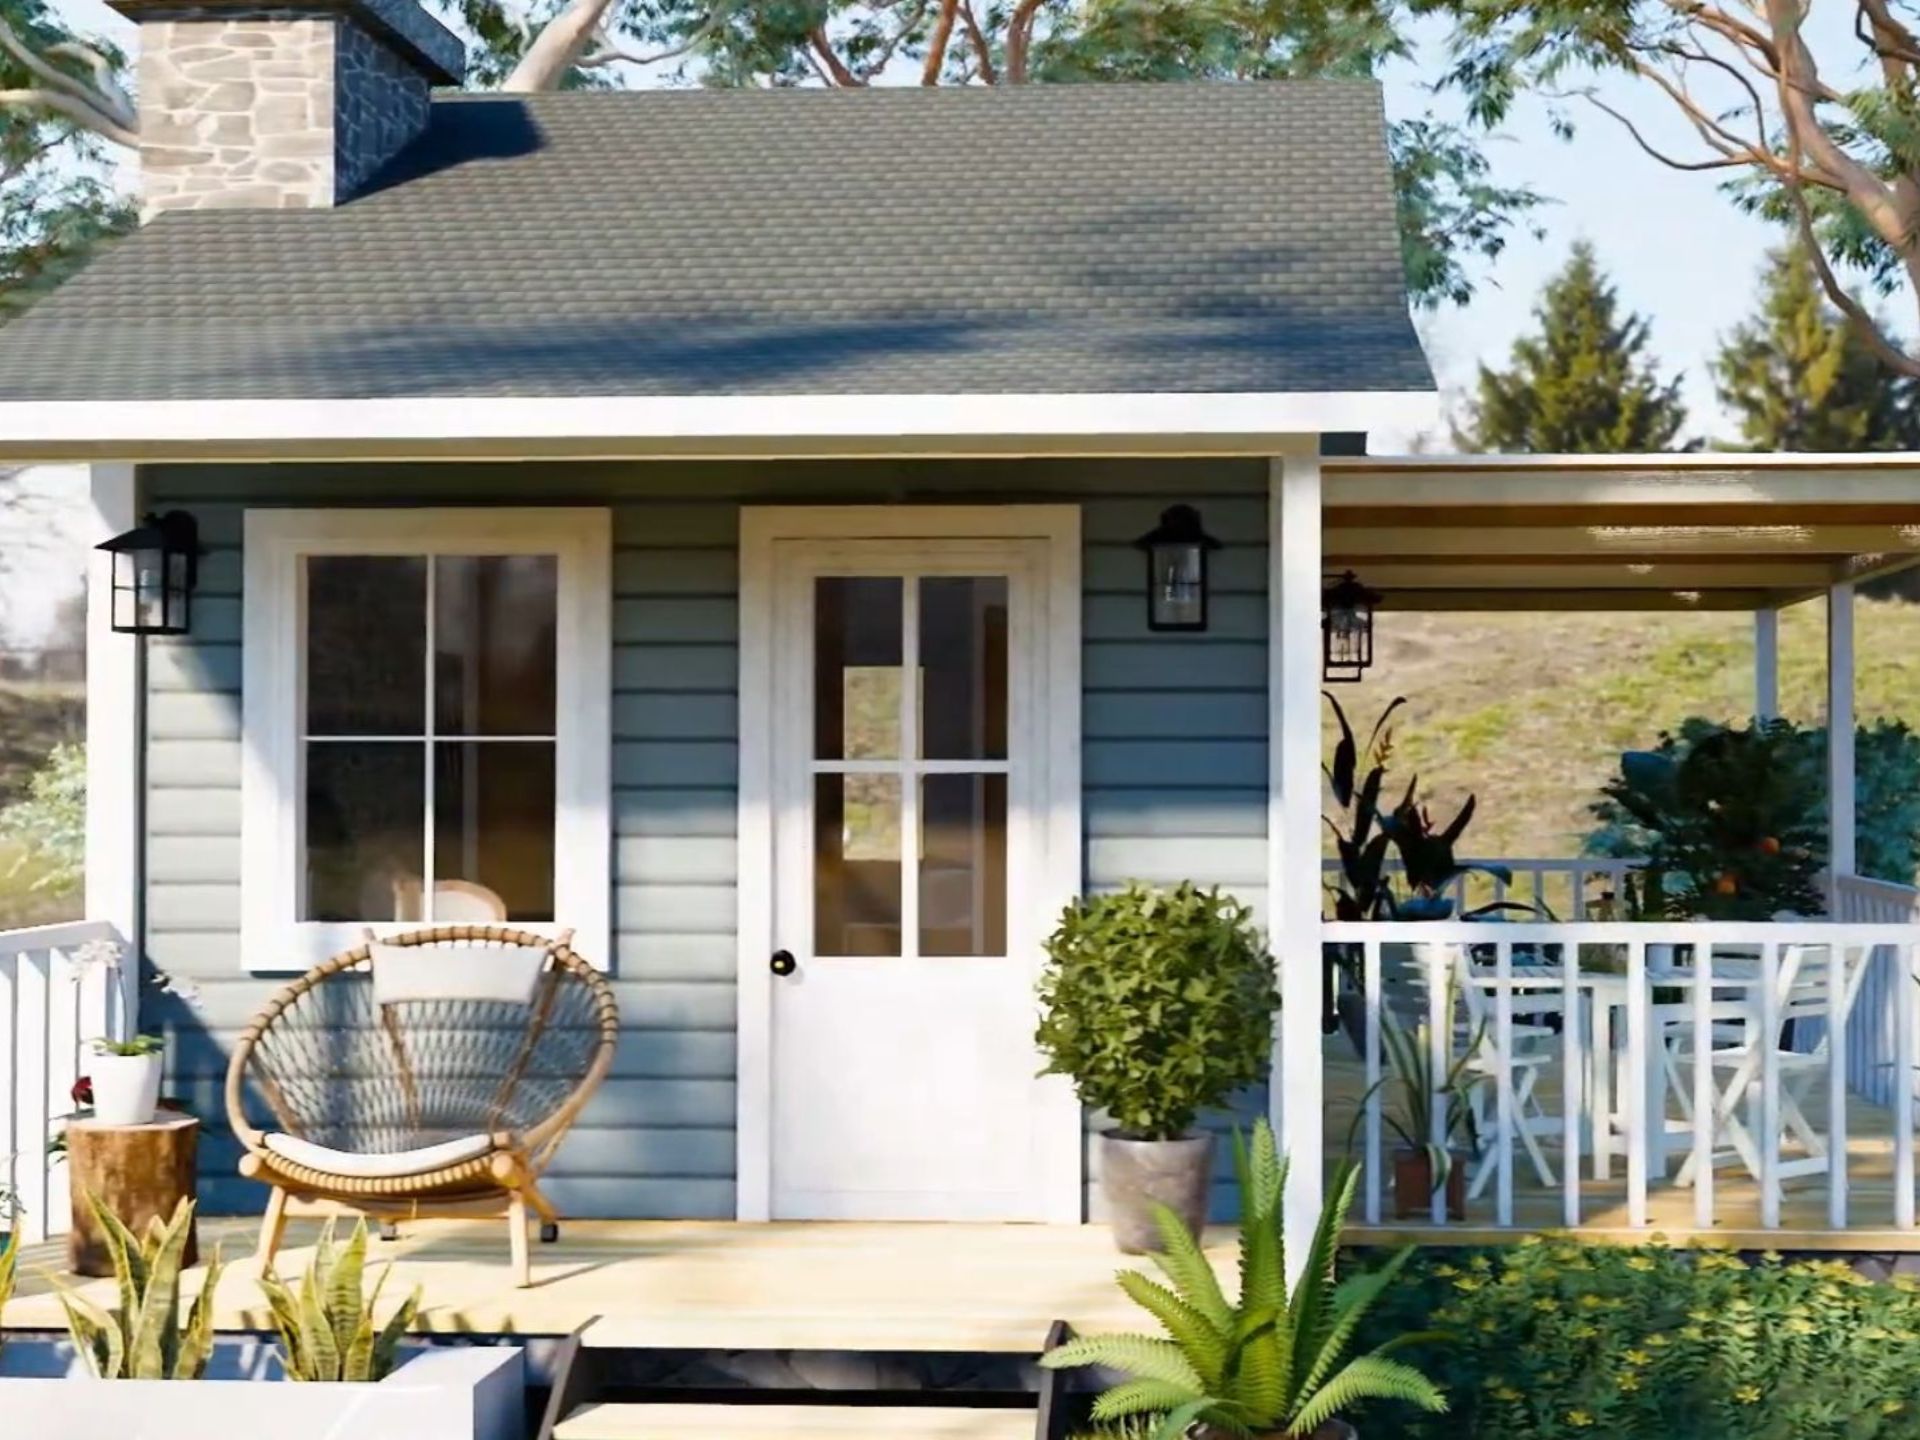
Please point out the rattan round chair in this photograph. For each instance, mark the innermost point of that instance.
(430, 1074)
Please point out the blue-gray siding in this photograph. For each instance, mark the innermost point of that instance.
(1174, 762)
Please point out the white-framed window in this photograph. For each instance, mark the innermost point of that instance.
(426, 728)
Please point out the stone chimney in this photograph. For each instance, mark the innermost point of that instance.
(251, 105)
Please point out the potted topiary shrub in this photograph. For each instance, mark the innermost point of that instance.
(1268, 1365)
(1158, 1004)
(126, 1079)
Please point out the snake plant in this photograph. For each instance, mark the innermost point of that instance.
(143, 1338)
(326, 1330)
(1268, 1364)
(9, 1263)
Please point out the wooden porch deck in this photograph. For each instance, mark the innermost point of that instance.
(707, 1285)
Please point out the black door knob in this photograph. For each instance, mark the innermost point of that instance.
(783, 963)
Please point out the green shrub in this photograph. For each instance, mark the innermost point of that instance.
(1552, 1339)
(1158, 1004)
(1775, 772)
(50, 823)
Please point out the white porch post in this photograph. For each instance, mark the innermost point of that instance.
(115, 675)
(1840, 818)
(1293, 829)
(1766, 664)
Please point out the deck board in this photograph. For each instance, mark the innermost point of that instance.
(792, 1422)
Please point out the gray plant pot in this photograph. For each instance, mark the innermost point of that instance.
(1134, 1174)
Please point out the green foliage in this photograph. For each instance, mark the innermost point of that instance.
(1412, 1085)
(1158, 1004)
(136, 1045)
(1727, 819)
(9, 1265)
(1800, 377)
(1756, 783)
(326, 1330)
(1584, 384)
(50, 821)
(1266, 1363)
(143, 1338)
(1555, 1340)
(1362, 888)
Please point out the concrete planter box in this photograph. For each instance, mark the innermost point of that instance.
(436, 1393)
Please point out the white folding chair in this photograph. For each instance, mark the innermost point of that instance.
(1804, 988)
(1535, 1047)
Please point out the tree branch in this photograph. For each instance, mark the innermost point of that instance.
(605, 52)
(836, 68)
(1020, 39)
(983, 52)
(937, 46)
(105, 111)
(882, 57)
(561, 45)
(1863, 323)
(1724, 162)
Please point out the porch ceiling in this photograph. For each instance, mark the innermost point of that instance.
(1676, 532)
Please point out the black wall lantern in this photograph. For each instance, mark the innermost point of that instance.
(1177, 550)
(154, 569)
(1346, 629)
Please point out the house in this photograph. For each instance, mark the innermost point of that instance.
(574, 479)
(576, 475)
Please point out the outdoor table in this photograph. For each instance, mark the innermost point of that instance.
(137, 1172)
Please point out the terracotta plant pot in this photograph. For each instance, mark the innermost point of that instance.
(1413, 1186)
(1136, 1173)
(126, 1088)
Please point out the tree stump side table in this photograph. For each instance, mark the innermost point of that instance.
(137, 1171)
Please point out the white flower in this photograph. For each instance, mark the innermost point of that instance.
(94, 955)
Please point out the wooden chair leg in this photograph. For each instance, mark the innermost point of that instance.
(273, 1228)
(549, 1217)
(517, 1237)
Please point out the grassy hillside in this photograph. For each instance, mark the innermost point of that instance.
(1530, 712)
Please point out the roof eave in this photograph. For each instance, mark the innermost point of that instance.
(716, 427)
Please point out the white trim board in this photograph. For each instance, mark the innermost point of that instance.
(761, 531)
(276, 541)
(618, 427)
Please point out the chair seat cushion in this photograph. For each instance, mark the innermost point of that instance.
(421, 1161)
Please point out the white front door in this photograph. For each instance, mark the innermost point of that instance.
(910, 784)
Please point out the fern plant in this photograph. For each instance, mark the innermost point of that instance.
(143, 1338)
(1268, 1364)
(326, 1330)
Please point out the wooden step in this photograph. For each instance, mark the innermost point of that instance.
(792, 1422)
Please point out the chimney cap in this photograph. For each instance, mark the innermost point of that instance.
(410, 31)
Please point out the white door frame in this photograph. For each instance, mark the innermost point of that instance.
(761, 531)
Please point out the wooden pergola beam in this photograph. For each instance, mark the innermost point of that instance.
(1623, 542)
(1509, 573)
(1535, 480)
(1559, 600)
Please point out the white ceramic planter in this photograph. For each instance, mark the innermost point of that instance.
(438, 1393)
(126, 1088)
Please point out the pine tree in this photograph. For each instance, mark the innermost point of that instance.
(1797, 376)
(1584, 384)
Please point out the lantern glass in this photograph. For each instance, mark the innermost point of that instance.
(1179, 581)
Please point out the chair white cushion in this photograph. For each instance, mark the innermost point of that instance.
(377, 1167)
(456, 972)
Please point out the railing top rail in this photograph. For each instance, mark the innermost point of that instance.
(1890, 889)
(1620, 932)
(45, 937)
(1557, 862)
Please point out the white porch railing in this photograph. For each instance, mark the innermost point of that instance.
(1586, 1042)
(1561, 889)
(51, 1009)
(1871, 1061)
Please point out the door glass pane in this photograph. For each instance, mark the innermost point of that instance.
(963, 667)
(963, 865)
(366, 809)
(494, 642)
(493, 831)
(856, 660)
(366, 653)
(856, 864)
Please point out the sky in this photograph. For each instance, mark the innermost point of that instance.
(1677, 250)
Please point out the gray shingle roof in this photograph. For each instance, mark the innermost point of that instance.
(1040, 239)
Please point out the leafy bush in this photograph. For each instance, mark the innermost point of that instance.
(1552, 1339)
(1267, 1363)
(326, 1331)
(1779, 767)
(51, 821)
(1158, 1004)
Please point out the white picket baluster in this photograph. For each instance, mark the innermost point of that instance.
(1640, 1138)
(1439, 960)
(1505, 1118)
(1905, 1018)
(1705, 1091)
(1573, 1065)
(1372, 982)
(1769, 1041)
(1837, 973)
